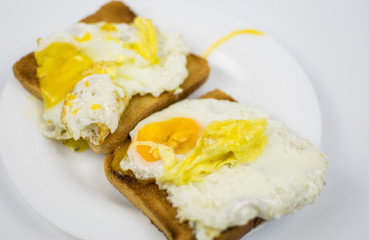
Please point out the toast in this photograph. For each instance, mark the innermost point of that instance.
(153, 202)
(139, 107)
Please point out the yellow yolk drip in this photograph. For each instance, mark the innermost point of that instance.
(60, 68)
(147, 46)
(229, 142)
(227, 37)
(77, 146)
(180, 134)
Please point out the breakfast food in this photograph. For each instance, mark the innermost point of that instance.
(100, 77)
(215, 169)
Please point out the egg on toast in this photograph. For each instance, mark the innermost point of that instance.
(212, 168)
(101, 76)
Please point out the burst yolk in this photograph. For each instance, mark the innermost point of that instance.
(180, 134)
(61, 67)
(228, 37)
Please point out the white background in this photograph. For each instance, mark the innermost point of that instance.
(330, 39)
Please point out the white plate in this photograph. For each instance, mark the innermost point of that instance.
(70, 190)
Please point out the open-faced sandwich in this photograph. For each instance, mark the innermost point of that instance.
(212, 168)
(101, 76)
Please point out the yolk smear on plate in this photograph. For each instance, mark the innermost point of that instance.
(228, 37)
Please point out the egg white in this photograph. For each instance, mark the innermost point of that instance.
(288, 174)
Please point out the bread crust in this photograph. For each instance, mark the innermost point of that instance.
(25, 71)
(140, 106)
(153, 201)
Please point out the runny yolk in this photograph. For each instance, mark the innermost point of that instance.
(180, 134)
(61, 67)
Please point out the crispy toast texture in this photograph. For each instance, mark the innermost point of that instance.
(139, 106)
(153, 202)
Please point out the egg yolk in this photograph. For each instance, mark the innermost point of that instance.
(229, 142)
(180, 134)
(61, 67)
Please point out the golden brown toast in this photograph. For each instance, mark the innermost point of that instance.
(140, 106)
(153, 202)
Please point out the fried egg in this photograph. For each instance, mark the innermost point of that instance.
(137, 57)
(224, 163)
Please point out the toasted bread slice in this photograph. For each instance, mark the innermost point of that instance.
(153, 202)
(140, 106)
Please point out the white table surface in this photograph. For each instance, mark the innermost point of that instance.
(329, 38)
